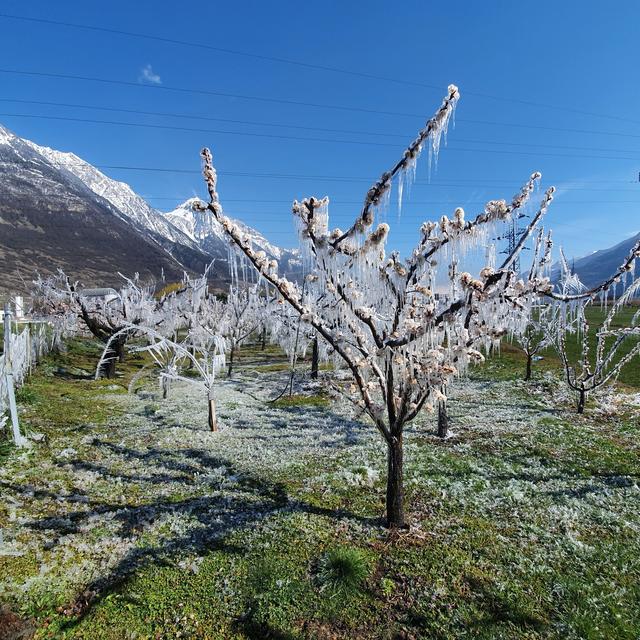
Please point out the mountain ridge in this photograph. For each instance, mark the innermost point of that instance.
(47, 190)
(596, 267)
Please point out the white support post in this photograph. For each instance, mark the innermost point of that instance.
(8, 367)
(27, 326)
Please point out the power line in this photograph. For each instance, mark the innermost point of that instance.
(143, 125)
(146, 125)
(404, 137)
(179, 199)
(515, 184)
(200, 45)
(209, 92)
(165, 114)
(300, 103)
(307, 65)
(455, 203)
(396, 230)
(283, 216)
(518, 125)
(206, 92)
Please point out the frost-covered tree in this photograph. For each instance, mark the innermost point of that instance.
(443, 415)
(541, 324)
(189, 305)
(615, 346)
(295, 336)
(201, 347)
(104, 312)
(315, 357)
(400, 338)
(532, 340)
(245, 311)
(185, 330)
(55, 309)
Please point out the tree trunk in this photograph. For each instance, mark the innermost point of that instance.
(192, 351)
(213, 419)
(443, 419)
(582, 396)
(395, 489)
(263, 338)
(108, 369)
(114, 355)
(230, 368)
(315, 356)
(527, 375)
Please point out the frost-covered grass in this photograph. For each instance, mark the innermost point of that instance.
(131, 520)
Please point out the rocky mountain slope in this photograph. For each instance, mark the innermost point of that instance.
(50, 219)
(59, 211)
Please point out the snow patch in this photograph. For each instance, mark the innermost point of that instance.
(6, 137)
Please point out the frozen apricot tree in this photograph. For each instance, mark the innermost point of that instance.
(201, 348)
(603, 353)
(541, 328)
(186, 331)
(244, 316)
(103, 312)
(401, 335)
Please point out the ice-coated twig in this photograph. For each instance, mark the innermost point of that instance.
(432, 131)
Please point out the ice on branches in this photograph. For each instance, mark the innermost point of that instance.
(201, 350)
(405, 167)
(431, 135)
(102, 312)
(614, 347)
(401, 338)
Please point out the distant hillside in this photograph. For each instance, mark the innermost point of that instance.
(58, 211)
(596, 267)
(49, 219)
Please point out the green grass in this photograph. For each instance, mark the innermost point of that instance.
(342, 572)
(26, 395)
(298, 400)
(6, 447)
(246, 588)
(528, 536)
(505, 573)
(62, 392)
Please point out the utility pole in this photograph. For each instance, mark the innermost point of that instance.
(512, 236)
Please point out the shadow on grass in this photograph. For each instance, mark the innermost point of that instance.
(498, 610)
(238, 500)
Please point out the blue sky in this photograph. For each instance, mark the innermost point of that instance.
(545, 86)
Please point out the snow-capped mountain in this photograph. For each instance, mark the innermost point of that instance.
(132, 206)
(203, 228)
(184, 225)
(39, 179)
(599, 265)
(50, 219)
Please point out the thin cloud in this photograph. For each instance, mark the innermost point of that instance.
(148, 75)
